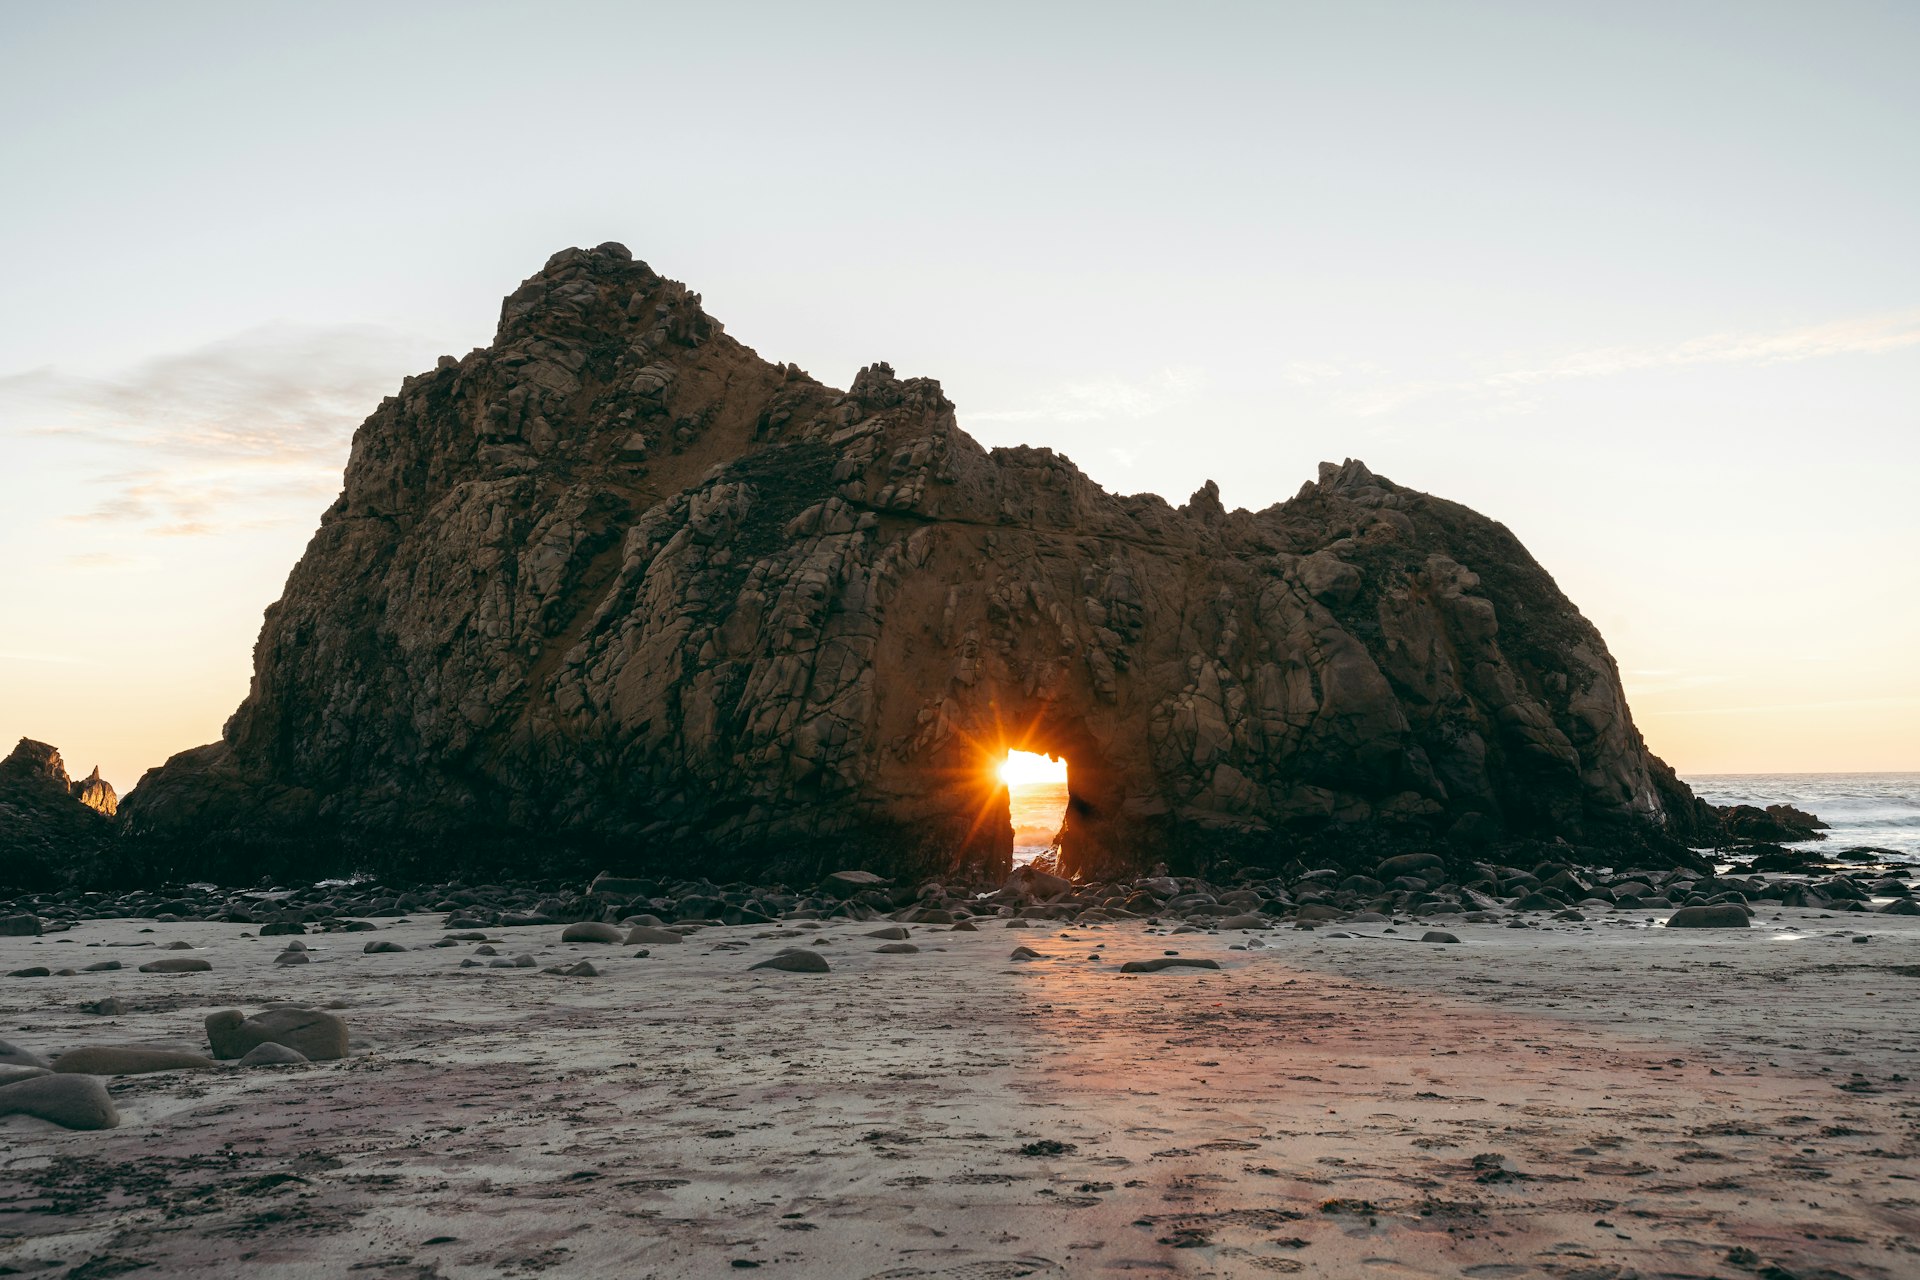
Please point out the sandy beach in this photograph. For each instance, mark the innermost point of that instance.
(1595, 1101)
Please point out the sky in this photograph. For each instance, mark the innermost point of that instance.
(1639, 280)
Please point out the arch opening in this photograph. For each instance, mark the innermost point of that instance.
(1037, 801)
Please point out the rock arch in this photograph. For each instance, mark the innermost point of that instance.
(615, 582)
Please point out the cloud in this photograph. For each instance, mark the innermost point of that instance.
(1108, 398)
(249, 429)
(1864, 335)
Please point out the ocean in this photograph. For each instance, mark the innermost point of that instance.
(1878, 809)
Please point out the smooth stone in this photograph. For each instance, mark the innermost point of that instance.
(1724, 915)
(796, 960)
(70, 1101)
(1437, 935)
(176, 964)
(320, 1037)
(12, 1055)
(126, 1060)
(1167, 962)
(897, 949)
(270, 1054)
(647, 935)
(591, 931)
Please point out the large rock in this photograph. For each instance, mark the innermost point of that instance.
(71, 1101)
(618, 583)
(318, 1036)
(50, 825)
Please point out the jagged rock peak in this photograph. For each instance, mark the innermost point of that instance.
(616, 580)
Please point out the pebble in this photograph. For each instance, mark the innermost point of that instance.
(70, 1101)
(591, 931)
(126, 1060)
(176, 964)
(795, 960)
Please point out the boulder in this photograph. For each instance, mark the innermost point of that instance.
(646, 935)
(70, 1101)
(592, 931)
(126, 1060)
(795, 960)
(176, 964)
(1725, 915)
(317, 1035)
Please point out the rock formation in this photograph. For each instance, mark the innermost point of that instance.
(48, 822)
(615, 583)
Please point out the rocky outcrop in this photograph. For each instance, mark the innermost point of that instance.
(48, 822)
(617, 584)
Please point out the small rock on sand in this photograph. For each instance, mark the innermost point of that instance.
(70, 1101)
(176, 964)
(126, 1060)
(1722, 915)
(647, 935)
(795, 960)
(1167, 962)
(591, 931)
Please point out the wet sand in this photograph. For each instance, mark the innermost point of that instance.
(1578, 1103)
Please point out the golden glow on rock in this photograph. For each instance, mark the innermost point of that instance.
(1028, 768)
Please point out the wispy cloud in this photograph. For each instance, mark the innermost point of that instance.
(1863, 335)
(249, 429)
(1107, 398)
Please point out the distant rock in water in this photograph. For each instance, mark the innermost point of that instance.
(618, 584)
(48, 822)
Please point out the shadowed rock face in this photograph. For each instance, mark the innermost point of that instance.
(48, 822)
(616, 580)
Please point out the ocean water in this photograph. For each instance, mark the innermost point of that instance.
(1877, 809)
(1038, 809)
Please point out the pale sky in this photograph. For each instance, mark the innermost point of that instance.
(1641, 280)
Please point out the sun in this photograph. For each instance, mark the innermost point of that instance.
(1028, 768)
